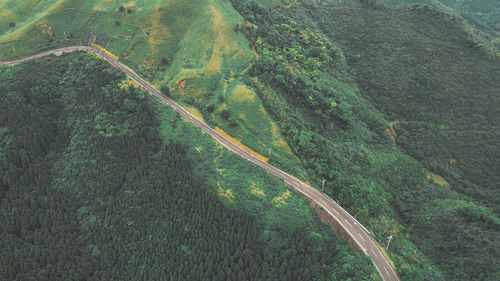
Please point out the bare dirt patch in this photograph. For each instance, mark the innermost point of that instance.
(392, 134)
(289, 5)
(453, 161)
(181, 86)
(46, 29)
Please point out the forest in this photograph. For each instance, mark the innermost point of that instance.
(89, 190)
(482, 14)
(440, 94)
(395, 108)
(404, 139)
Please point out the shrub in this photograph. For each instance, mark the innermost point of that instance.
(226, 114)
(165, 61)
(165, 90)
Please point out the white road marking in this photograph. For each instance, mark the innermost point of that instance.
(374, 252)
(361, 236)
(386, 270)
(349, 223)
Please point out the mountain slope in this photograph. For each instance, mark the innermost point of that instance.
(95, 185)
(483, 14)
(436, 84)
(393, 109)
(189, 46)
(400, 58)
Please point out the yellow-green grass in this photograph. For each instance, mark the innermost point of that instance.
(240, 144)
(106, 51)
(153, 30)
(254, 127)
(384, 252)
(195, 112)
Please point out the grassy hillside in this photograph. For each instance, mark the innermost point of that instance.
(189, 46)
(98, 181)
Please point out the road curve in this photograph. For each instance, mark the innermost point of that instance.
(354, 231)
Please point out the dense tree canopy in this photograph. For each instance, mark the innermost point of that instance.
(425, 108)
(89, 191)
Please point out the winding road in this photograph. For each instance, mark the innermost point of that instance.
(343, 223)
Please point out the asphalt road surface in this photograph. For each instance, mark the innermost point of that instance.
(351, 227)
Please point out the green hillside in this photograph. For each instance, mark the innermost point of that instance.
(97, 183)
(439, 88)
(396, 108)
(397, 111)
(483, 14)
(189, 46)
